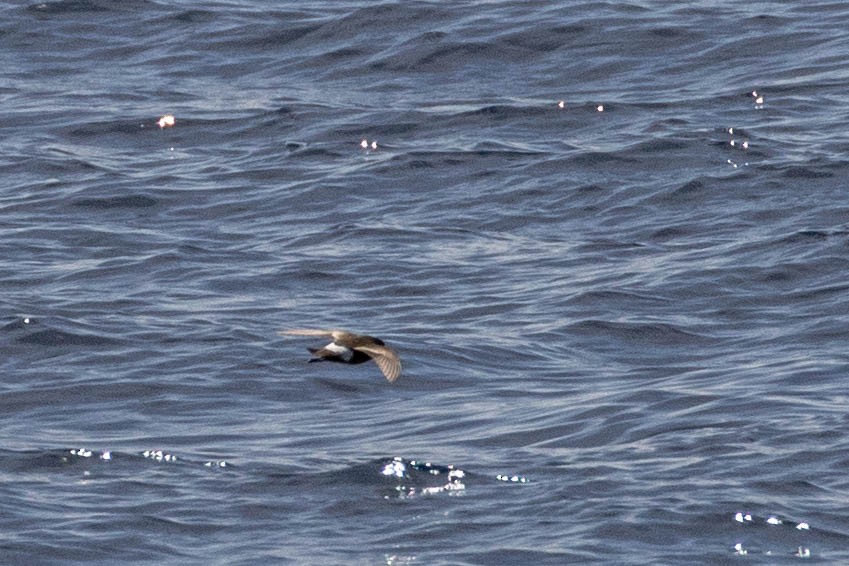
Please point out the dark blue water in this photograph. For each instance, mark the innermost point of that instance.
(623, 335)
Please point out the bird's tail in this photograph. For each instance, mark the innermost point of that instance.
(316, 358)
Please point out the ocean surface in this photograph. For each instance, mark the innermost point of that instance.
(609, 240)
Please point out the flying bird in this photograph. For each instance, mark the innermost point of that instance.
(349, 348)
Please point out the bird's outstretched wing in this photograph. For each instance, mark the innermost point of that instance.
(306, 332)
(385, 358)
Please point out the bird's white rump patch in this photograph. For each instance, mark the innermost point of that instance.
(344, 353)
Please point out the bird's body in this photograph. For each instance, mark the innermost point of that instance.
(349, 348)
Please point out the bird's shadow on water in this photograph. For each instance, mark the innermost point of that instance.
(368, 383)
(339, 385)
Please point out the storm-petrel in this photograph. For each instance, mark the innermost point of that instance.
(350, 348)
